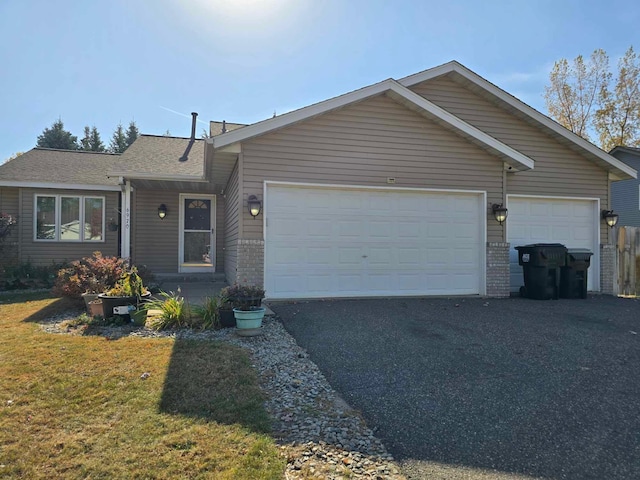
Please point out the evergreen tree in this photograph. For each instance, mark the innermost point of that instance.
(132, 133)
(85, 142)
(91, 141)
(118, 142)
(57, 137)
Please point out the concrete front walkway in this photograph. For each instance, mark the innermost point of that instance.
(194, 291)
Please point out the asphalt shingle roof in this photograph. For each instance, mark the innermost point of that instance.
(151, 154)
(215, 128)
(60, 166)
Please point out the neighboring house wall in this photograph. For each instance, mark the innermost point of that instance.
(559, 170)
(231, 226)
(46, 253)
(154, 241)
(9, 251)
(364, 144)
(625, 193)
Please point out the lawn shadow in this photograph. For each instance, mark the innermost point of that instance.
(57, 307)
(214, 381)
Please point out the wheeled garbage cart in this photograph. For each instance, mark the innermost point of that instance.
(541, 264)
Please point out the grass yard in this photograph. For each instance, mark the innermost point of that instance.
(77, 407)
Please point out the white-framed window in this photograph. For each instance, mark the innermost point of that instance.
(68, 218)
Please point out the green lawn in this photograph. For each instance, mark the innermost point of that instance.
(77, 407)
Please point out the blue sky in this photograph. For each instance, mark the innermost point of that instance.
(104, 62)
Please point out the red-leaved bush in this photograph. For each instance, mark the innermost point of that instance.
(95, 274)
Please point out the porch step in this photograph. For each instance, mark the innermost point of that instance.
(162, 278)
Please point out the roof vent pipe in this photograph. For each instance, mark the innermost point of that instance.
(224, 126)
(193, 125)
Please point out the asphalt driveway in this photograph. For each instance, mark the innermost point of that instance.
(473, 388)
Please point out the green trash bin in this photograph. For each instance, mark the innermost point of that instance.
(541, 264)
(574, 275)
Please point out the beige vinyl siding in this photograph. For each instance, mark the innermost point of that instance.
(45, 253)
(154, 241)
(231, 225)
(9, 203)
(364, 144)
(558, 171)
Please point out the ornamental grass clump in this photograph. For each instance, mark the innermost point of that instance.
(174, 311)
(209, 312)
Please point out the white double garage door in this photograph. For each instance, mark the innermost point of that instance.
(359, 242)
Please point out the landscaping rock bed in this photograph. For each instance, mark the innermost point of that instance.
(321, 436)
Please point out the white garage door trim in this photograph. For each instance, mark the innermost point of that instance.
(594, 269)
(482, 202)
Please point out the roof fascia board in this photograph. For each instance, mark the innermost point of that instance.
(224, 140)
(153, 176)
(519, 105)
(463, 126)
(59, 186)
(304, 113)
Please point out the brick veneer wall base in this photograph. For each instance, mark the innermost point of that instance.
(608, 270)
(250, 263)
(498, 281)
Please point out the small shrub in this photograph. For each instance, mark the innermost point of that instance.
(26, 276)
(174, 308)
(242, 295)
(209, 312)
(128, 285)
(94, 274)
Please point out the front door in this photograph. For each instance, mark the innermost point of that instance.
(197, 239)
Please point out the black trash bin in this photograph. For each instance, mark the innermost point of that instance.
(541, 263)
(573, 276)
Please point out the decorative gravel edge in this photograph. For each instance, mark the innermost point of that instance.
(318, 432)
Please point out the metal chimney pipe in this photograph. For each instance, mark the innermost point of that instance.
(193, 125)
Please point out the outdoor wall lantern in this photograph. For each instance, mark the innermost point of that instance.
(610, 217)
(255, 205)
(500, 212)
(162, 211)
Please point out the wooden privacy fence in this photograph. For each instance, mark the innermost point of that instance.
(627, 241)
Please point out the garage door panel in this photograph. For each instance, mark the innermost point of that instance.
(373, 243)
(567, 221)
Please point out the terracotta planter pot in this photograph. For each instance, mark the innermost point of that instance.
(95, 308)
(88, 298)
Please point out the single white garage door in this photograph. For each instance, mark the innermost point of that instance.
(574, 223)
(335, 242)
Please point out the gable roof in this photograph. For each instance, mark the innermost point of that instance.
(400, 94)
(215, 128)
(158, 157)
(621, 148)
(54, 168)
(600, 157)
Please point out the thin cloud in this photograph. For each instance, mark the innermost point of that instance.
(182, 114)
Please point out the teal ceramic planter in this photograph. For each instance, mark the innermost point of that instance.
(249, 319)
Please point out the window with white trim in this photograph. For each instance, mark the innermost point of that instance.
(69, 218)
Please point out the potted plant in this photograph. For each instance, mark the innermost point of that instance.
(128, 292)
(226, 316)
(248, 310)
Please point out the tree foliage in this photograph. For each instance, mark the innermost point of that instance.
(57, 137)
(118, 142)
(91, 141)
(581, 98)
(132, 133)
(617, 121)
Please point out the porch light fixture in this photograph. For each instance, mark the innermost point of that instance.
(162, 211)
(255, 206)
(500, 212)
(610, 217)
